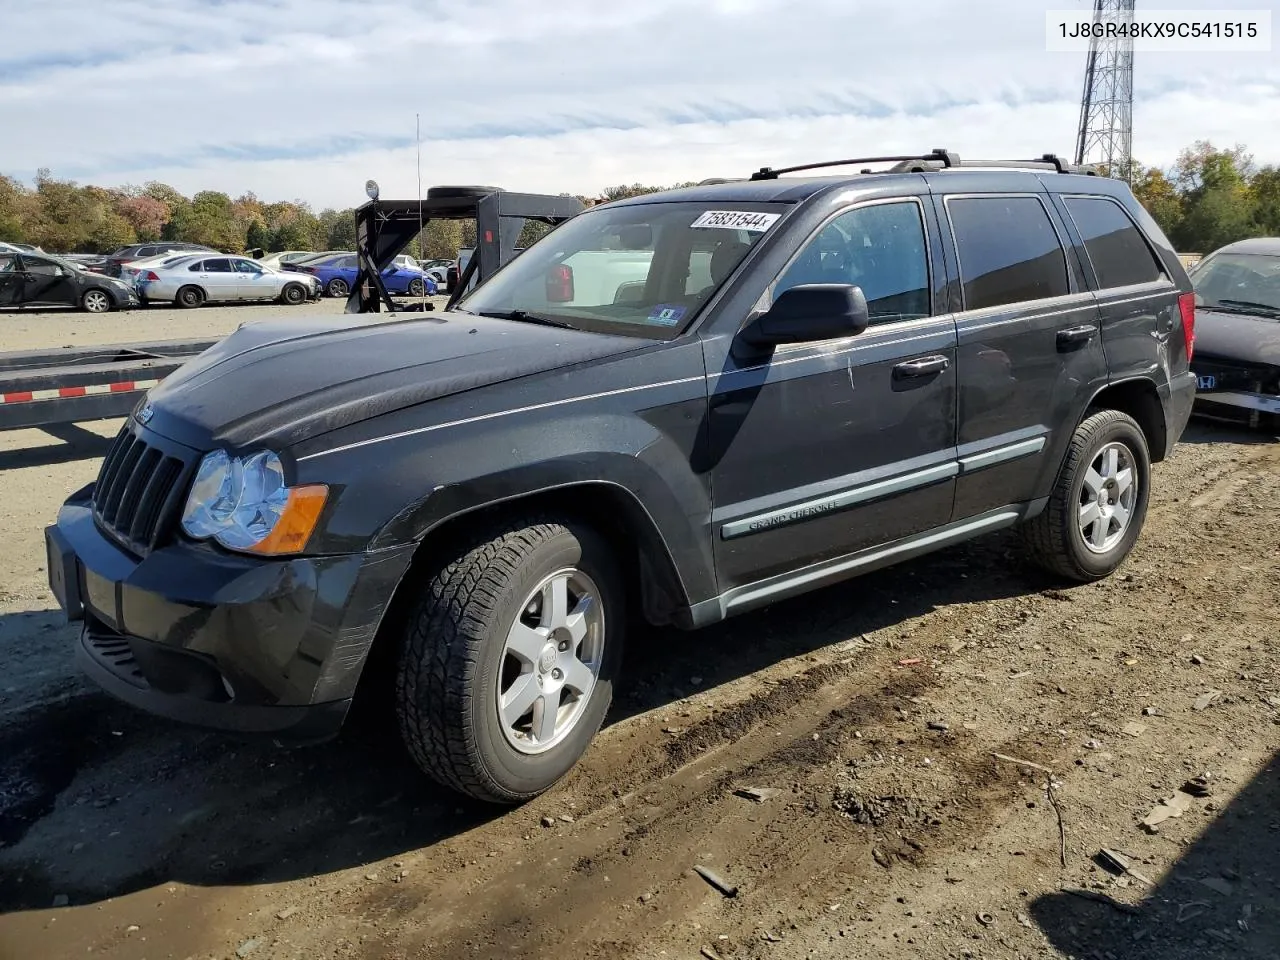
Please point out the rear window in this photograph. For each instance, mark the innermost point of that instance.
(1119, 254)
(642, 269)
(1008, 250)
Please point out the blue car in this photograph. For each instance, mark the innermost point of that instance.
(403, 276)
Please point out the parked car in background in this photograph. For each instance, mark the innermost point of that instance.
(129, 272)
(437, 270)
(314, 258)
(137, 251)
(28, 279)
(191, 281)
(13, 247)
(1237, 351)
(338, 274)
(275, 261)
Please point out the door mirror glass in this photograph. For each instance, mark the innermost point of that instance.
(810, 312)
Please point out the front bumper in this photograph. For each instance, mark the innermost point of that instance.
(205, 637)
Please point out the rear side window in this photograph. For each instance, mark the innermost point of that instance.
(146, 252)
(218, 266)
(1119, 254)
(1008, 249)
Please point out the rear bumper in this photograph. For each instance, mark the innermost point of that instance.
(1239, 400)
(228, 642)
(1178, 405)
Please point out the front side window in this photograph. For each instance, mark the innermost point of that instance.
(1008, 250)
(1239, 282)
(643, 269)
(43, 268)
(880, 248)
(7, 262)
(245, 266)
(1119, 255)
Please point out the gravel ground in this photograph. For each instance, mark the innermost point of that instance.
(875, 709)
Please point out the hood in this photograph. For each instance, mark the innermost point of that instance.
(1234, 336)
(279, 383)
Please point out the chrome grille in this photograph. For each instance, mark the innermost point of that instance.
(139, 490)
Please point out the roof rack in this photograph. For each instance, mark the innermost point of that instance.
(934, 160)
(944, 157)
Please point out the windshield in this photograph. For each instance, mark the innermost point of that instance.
(640, 269)
(1238, 281)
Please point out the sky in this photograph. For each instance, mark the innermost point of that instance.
(307, 99)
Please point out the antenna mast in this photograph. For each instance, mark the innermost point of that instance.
(1106, 106)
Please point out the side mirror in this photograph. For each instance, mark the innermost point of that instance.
(812, 311)
(560, 284)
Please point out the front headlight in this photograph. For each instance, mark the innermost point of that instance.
(244, 504)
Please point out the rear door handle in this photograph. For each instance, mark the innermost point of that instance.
(924, 367)
(1073, 335)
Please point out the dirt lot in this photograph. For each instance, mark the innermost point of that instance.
(875, 709)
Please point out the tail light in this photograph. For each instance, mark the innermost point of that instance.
(310, 270)
(560, 284)
(1187, 307)
(150, 276)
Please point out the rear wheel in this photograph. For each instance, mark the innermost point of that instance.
(294, 294)
(95, 301)
(189, 297)
(506, 670)
(338, 287)
(1099, 503)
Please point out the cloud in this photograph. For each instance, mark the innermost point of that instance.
(308, 98)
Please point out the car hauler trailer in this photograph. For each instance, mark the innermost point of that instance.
(65, 385)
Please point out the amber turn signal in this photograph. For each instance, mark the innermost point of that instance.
(297, 521)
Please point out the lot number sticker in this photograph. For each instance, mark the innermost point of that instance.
(737, 220)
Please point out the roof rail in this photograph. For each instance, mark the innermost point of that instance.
(942, 156)
(939, 159)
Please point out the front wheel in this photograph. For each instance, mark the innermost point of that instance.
(95, 301)
(1096, 510)
(507, 667)
(417, 288)
(294, 294)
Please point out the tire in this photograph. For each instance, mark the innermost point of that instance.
(1056, 538)
(443, 193)
(189, 297)
(337, 287)
(417, 288)
(95, 300)
(455, 666)
(294, 294)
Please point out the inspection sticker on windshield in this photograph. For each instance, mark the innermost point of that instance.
(666, 315)
(737, 220)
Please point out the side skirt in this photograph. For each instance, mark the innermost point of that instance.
(763, 592)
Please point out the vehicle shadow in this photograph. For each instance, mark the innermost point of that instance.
(77, 443)
(98, 799)
(1206, 430)
(1217, 900)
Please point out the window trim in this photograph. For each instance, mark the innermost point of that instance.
(965, 309)
(1163, 278)
(852, 208)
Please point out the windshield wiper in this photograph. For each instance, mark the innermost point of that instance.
(524, 316)
(1245, 305)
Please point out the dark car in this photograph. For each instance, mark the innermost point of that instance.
(1237, 356)
(29, 280)
(672, 409)
(117, 258)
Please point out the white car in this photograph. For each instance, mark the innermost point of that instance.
(274, 261)
(193, 280)
(129, 272)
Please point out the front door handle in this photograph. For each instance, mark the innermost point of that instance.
(1074, 335)
(924, 367)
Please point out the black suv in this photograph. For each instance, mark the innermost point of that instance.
(684, 406)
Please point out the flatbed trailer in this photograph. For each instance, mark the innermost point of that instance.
(41, 388)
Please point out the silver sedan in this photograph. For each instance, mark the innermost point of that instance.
(191, 281)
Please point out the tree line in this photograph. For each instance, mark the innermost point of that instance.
(1209, 198)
